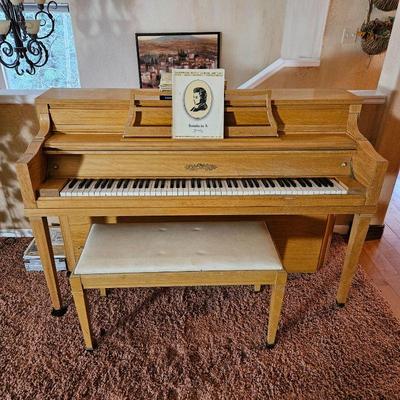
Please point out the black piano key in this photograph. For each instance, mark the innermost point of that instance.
(214, 183)
(301, 182)
(162, 183)
(198, 183)
(235, 183)
(110, 183)
(103, 183)
(135, 183)
(271, 182)
(317, 182)
(280, 182)
(244, 183)
(88, 183)
(193, 183)
(184, 183)
(328, 182)
(307, 182)
(126, 183)
(178, 183)
(286, 182)
(250, 183)
(82, 184)
(219, 183)
(119, 184)
(229, 183)
(147, 183)
(323, 182)
(141, 183)
(255, 182)
(265, 183)
(72, 183)
(98, 183)
(208, 183)
(156, 183)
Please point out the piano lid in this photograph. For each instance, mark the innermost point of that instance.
(53, 97)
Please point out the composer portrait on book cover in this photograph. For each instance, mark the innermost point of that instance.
(198, 99)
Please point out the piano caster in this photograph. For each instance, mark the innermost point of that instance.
(270, 345)
(340, 305)
(58, 313)
(69, 274)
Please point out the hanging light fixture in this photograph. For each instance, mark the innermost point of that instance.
(20, 38)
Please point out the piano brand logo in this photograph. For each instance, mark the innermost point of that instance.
(197, 166)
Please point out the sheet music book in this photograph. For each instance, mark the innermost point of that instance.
(198, 103)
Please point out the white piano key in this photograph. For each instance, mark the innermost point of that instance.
(168, 190)
(89, 189)
(77, 191)
(203, 190)
(66, 191)
(224, 190)
(127, 187)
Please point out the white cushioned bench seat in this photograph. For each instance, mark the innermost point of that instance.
(178, 247)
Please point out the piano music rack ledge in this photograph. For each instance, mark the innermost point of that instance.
(178, 254)
(248, 113)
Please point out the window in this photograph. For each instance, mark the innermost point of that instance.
(61, 70)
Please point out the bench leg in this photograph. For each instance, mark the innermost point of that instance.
(79, 296)
(103, 292)
(257, 288)
(278, 290)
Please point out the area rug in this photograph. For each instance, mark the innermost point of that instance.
(197, 343)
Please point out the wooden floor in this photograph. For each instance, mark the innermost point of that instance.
(380, 259)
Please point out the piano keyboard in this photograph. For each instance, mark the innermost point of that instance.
(202, 187)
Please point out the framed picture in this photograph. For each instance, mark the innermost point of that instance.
(198, 103)
(158, 52)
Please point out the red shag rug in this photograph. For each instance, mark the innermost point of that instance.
(197, 343)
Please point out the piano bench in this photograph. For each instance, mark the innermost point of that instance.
(178, 254)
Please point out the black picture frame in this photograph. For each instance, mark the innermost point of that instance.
(167, 34)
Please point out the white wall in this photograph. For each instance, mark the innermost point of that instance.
(105, 30)
(304, 28)
(2, 81)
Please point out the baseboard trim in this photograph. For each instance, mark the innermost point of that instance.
(16, 233)
(275, 67)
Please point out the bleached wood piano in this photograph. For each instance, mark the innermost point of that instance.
(294, 158)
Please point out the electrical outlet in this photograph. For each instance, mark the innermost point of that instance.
(348, 36)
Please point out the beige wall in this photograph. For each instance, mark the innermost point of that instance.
(388, 141)
(343, 66)
(105, 30)
(18, 125)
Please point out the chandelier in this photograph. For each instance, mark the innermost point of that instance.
(20, 39)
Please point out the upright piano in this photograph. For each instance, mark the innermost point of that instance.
(294, 158)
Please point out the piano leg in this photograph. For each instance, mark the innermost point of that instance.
(358, 233)
(41, 233)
